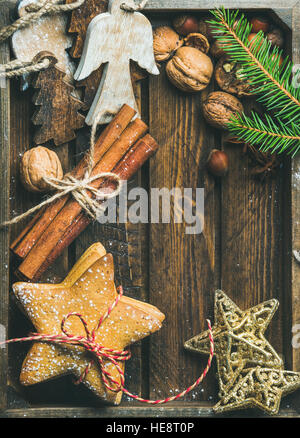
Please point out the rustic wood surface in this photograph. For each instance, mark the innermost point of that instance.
(4, 211)
(295, 192)
(183, 270)
(245, 249)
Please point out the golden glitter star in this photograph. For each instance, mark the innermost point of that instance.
(259, 387)
(89, 290)
(241, 350)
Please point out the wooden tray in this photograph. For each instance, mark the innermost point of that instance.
(251, 228)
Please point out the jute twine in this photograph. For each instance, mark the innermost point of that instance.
(34, 12)
(79, 187)
(103, 353)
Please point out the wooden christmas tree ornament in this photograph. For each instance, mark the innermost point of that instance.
(77, 307)
(46, 34)
(114, 38)
(58, 115)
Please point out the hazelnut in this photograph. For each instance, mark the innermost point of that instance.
(219, 107)
(190, 70)
(253, 40)
(36, 164)
(185, 24)
(217, 163)
(260, 23)
(165, 42)
(230, 78)
(217, 49)
(198, 41)
(206, 28)
(281, 59)
(276, 38)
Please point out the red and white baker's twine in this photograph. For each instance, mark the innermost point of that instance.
(114, 356)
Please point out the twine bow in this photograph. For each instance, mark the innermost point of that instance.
(101, 353)
(78, 189)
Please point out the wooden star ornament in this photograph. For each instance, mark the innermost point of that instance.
(88, 290)
(250, 372)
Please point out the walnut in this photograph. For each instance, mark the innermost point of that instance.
(219, 107)
(36, 164)
(276, 38)
(190, 70)
(230, 78)
(165, 42)
(198, 41)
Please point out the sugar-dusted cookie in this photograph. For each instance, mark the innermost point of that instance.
(88, 290)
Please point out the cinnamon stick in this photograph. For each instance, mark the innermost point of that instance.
(125, 169)
(30, 234)
(119, 136)
(55, 230)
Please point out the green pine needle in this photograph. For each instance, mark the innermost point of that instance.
(270, 135)
(260, 63)
(274, 85)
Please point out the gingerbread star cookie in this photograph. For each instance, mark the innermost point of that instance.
(88, 290)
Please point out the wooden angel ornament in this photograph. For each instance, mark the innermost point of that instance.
(114, 38)
(79, 22)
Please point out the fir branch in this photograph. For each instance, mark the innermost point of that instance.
(260, 63)
(271, 134)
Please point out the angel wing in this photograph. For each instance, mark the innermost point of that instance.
(95, 50)
(142, 52)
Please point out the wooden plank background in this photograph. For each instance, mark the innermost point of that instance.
(242, 249)
(295, 193)
(4, 210)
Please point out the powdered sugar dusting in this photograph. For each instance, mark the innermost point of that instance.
(90, 296)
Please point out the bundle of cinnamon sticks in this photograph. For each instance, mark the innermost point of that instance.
(122, 148)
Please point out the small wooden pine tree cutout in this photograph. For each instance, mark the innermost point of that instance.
(58, 115)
